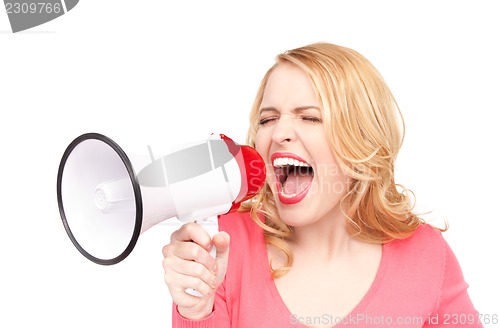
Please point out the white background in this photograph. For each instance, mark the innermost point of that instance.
(160, 72)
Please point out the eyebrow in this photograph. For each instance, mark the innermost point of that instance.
(295, 110)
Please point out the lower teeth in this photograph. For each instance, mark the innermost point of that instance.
(288, 195)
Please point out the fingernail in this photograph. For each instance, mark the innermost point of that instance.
(216, 267)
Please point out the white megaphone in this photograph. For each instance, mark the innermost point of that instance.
(105, 205)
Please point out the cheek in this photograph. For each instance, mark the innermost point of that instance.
(334, 181)
(331, 179)
(261, 145)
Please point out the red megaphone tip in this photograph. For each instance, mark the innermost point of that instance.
(252, 168)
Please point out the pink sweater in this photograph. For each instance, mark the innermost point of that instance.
(419, 283)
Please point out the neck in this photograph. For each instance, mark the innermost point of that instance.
(326, 238)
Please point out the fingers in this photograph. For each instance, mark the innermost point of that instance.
(191, 243)
(221, 243)
(188, 265)
(193, 232)
(189, 251)
(187, 262)
(182, 274)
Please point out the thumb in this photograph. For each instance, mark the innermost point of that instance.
(221, 242)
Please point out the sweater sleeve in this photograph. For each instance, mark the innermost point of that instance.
(218, 319)
(454, 306)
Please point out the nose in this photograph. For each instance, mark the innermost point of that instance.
(284, 130)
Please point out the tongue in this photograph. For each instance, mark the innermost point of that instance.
(297, 182)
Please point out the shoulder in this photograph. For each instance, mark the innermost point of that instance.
(426, 242)
(428, 260)
(413, 270)
(423, 253)
(420, 259)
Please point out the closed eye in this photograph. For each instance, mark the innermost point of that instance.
(312, 119)
(266, 120)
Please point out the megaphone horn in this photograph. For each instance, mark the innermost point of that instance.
(105, 206)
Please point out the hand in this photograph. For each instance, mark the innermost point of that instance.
(188, 264)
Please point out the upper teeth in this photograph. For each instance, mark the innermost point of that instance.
(281, 161)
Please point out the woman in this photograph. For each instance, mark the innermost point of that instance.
(331, 240)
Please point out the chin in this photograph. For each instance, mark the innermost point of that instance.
(294, 214)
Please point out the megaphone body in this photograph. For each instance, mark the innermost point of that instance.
(105, 205)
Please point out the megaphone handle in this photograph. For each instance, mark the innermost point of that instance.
(212, 227)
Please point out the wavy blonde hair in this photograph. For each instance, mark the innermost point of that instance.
(365, 128)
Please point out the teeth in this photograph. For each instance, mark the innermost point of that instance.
(287, 195)
(283, 161)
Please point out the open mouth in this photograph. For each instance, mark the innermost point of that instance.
(293, 177)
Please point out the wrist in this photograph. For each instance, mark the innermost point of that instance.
(195, 314)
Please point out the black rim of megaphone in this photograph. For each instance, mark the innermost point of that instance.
(135, 185)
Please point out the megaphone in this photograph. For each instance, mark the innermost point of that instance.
(105, 206)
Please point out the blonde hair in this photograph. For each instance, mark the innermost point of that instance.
(365, 127)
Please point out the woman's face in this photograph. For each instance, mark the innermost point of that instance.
(304, 177)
